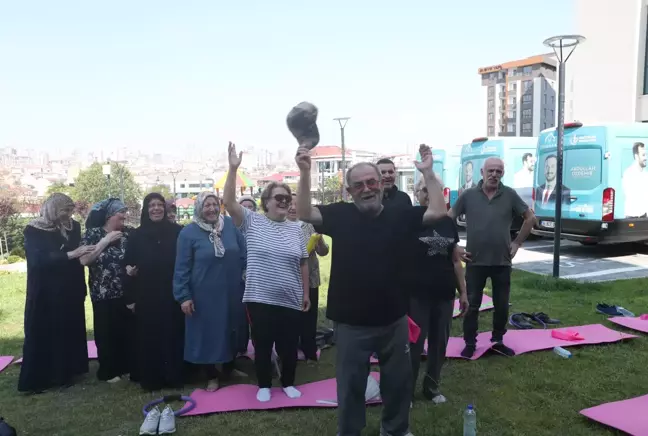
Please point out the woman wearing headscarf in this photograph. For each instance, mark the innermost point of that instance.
(316, 246)
(55, 348)
(113, 321)
(435, 274)
(207, 283)
(171, 210)
(276, 286)
(248, 202)
(159, 322)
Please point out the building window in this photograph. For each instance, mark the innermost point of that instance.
(528, 70)
(491, 117)
(491, 91)
(512, 86)
(544, 126)
(511, 100)
(527, 126)
(526, 113)
(527, 98)
(491, 131)
(510, 114)
(526, 85)
(491, 104)
(510, 128)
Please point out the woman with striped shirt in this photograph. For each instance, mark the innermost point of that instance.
(276, 286)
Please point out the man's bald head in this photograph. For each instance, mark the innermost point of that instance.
(492, 172)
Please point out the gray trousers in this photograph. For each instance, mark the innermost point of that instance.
(354, 348)
(435, 320)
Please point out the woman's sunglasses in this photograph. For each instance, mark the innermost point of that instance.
(283, 198)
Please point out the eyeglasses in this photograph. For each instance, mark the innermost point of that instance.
(283, 198)
(370, 184)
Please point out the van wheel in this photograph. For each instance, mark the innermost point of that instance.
(588, 243)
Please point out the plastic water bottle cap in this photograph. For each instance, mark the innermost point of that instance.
(470, 407)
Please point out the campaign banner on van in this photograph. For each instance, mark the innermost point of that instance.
(634, 181)
(582, 172)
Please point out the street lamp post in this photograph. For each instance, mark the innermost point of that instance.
(174, 173)
(343, 122)
(107, 170)
(563, 46)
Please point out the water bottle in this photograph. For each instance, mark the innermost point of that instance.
(562, 352)
(470, 421)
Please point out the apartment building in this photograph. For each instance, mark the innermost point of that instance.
(607, 75)
(520, 96)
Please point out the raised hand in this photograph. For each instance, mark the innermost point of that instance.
(233, 158)
(425, 165)
(303, 159)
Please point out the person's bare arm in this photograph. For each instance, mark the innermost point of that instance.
(305, 210)
(529, 221)
(436, 207)
(234, 209)
(461, 279)
(322, 248)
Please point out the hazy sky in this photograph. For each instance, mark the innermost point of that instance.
(165, 74)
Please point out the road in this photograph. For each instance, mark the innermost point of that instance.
(582, 263)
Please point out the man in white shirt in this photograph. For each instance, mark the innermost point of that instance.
(634, 182)
(524, 177)
(546, 193)
(468, 176)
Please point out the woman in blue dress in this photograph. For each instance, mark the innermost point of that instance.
(207, 283)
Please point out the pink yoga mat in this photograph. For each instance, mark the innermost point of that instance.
(628, 415)
(92, 352)
(250, 353)
(524, 341)
(5, 361)
(243, 397)
(641, 325)
(487, 304)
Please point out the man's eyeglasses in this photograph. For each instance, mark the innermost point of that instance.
(370, 184)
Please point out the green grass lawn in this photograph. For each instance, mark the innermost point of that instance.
(533, 394)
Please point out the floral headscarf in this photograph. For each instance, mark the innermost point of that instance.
(104, 210)
(214, 230)
(49, 215)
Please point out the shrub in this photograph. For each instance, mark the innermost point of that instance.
(18, 251)
(14, 259)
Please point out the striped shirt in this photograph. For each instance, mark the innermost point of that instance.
(275, 250)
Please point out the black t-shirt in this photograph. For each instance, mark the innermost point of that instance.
(366, 288)
(394, 198)
(430, 270)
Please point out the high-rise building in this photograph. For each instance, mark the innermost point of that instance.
(607, 78)
(520, 96)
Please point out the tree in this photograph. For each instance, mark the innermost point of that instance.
(164, 190)
(332, 190)
(92, 186)
(8, 216)
(61, 187)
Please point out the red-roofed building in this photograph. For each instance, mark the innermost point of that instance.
(327, 162)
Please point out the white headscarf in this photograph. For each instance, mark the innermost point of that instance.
(214, 230)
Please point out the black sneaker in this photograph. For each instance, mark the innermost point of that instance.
(503, 349)
(468, 351)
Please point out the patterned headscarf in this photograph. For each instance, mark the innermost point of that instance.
(214, 230)
(248, 198)
(49, 212)
(103, 211)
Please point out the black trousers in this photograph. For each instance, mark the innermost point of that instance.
(475, 281)
(114, 326)
(308, 331)
(279, 327)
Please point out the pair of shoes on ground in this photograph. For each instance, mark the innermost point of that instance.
(610, 310)
(526, 321)
(158, 423)
(499, 347)
(264, 394)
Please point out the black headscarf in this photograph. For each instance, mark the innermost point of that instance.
(148, 225)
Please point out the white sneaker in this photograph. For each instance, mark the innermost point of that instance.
(151, 422)
(114, 380)
(167, 421)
